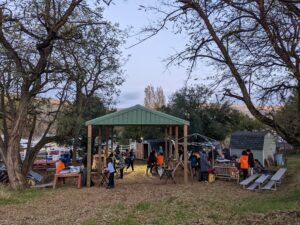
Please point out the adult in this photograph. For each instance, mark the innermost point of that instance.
(121, 164)
(131, 159)
(250, 161)
(117, 150)
(160, 160)
(244, 164)
(151, 162)
(204, 166)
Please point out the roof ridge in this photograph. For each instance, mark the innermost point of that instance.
(113, 115)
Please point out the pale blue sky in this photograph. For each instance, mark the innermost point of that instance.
(146, 65)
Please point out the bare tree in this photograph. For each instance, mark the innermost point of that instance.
(34, 39)
(254, 44)
(154, 99)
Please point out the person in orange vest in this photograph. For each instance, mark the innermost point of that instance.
(244, 165)
(59, 166)
(160, 159)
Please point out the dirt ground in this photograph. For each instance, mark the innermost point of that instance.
(141, 199)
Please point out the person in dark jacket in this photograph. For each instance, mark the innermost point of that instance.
(204, 166)
(131, 159)
(250, 161)
(151, 162)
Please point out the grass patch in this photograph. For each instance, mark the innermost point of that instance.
(90, 222)
(287, 197)
(143, 206)
(265, 204)
(8, 197)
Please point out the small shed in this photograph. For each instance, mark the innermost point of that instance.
(262, 144)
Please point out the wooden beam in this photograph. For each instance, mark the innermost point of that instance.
(166, 142)
(170, 140)
(185, 155)
(111, 139)
(176, 143)
(106, 146)
(100, 150)
(89, 156)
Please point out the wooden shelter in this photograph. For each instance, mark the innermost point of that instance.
(137, 116)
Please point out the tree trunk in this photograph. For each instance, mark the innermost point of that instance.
(28, 161)
(13, 165)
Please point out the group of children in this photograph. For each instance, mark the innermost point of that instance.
(119, 160)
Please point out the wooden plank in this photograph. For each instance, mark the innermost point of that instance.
(279, 175)
(262, 179)
(253, 186)
(250, 179)
(185, 135)
(269, 185)
(89, 156)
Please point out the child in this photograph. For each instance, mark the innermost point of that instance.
(60, 165)
(111, 170)
(121, 165)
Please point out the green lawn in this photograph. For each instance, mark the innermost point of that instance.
(143, 200)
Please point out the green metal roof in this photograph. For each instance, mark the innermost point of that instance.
(137, 115)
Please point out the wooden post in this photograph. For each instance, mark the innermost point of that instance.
(111, 139)
(176, 143)
(166, 142)
(106, 146)
(170, 140)
(185, 155)
(89, 156)
(99, 150)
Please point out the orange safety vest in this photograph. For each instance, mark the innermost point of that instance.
(244, 162)
(160, 160)
(60, 166)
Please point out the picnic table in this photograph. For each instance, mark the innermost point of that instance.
(67, 175)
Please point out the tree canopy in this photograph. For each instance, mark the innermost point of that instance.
(253, 44)
(64, 49)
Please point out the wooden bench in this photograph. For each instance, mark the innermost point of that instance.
(249, 180)
(227, 172)
(259, 182)
(66, 175)
(275, 179)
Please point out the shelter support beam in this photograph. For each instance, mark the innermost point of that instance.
(176, 143)
(112, 139)
(89, 156)
(106, 146)
(100, 150)
(170, 140)
(185, 155)
(166, 142)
